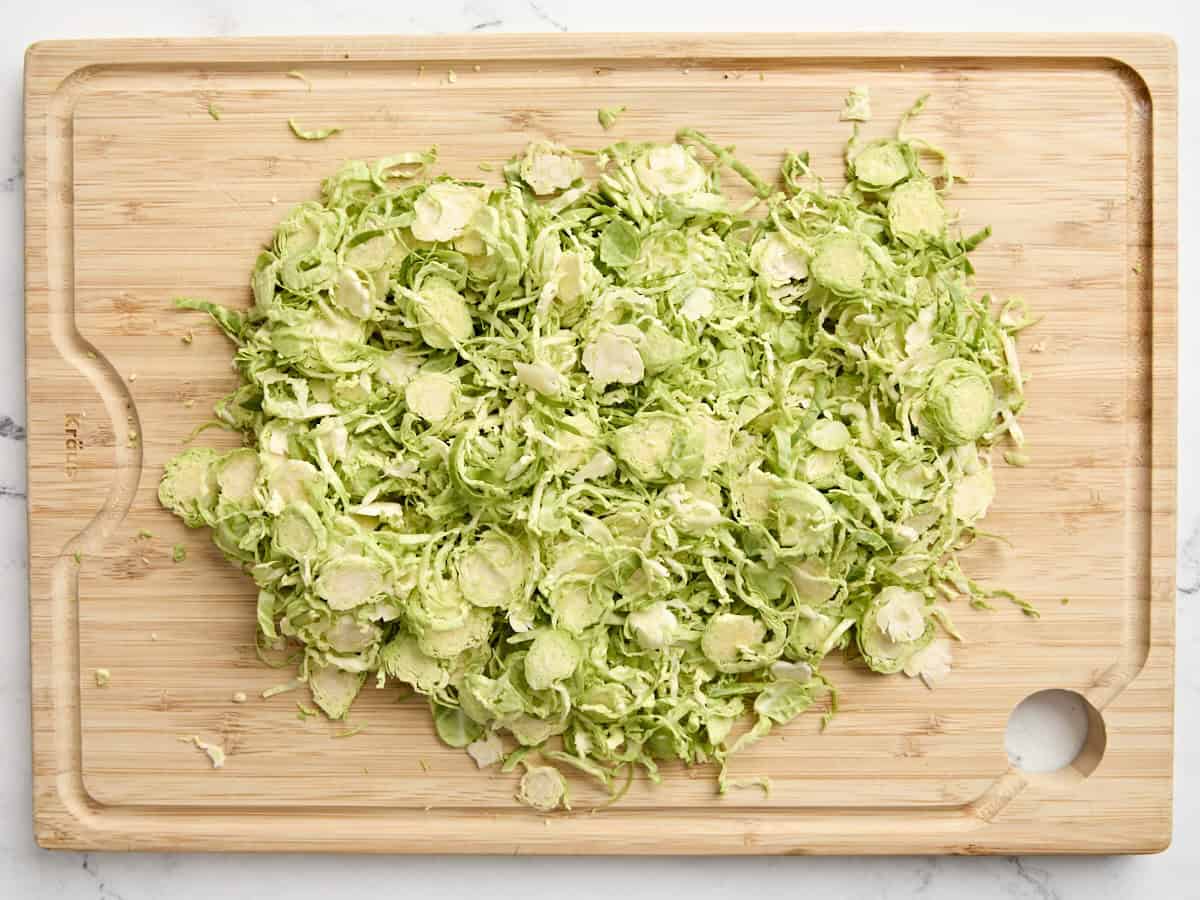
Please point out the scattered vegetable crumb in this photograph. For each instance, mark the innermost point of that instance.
(608, 115)
(144, 534)
(78, 557)
(179, 553)
(451, 76)
(486, 751)
(424, 765)
(304, 711)
(314, 134)
(214, 111)
(281, 688)
(1016, 458)
(350, 732)
(300, 76)
(239, 697)
(1065, 601)
(762, 782)
(216, 754)
(188, 336)
(133, 376)
(103, 678)
(932, 663)
(1022, 604)
(858, 105)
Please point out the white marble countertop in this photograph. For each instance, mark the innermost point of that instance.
(29, 872)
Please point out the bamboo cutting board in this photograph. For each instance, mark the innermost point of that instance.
(136, 194)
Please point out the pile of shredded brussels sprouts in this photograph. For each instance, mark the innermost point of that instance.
(602, 467)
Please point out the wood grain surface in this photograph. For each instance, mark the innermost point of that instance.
(136, 194)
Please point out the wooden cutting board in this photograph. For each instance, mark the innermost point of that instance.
(136, 194)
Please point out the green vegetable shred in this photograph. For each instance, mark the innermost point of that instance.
(315, 134)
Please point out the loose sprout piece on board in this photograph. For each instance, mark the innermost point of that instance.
(604, 467)
(607, 116)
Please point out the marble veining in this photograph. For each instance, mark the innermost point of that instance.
(28, 872)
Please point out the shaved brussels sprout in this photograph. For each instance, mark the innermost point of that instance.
(959, 402)
(915, 213)
(858, 105)
(669, 170)
(777, 260)
(431, 396)
(493, 572)
(733, 642)
(841, 264)
(454, 728)
(544, 789)
(333, 689)
(653, 627)
(349, 581)
(658, 447)
(932, 663)
(612, 358)
(486, 751)
(548, 167)
(894, 628)
(605, 464)
(443, 210)
(881, 164)
(552, 656)
(188, 487)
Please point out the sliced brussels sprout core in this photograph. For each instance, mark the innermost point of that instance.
(881, 164)
(729, 639)
(894, 628)
(548, 167)
(915, 212)
(349, 581)
(841, 264)
(543, 788)
(669, 171)
(189, 486)
(960, 403)
(552, 656)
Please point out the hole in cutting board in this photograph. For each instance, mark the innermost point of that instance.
(1055, 731)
